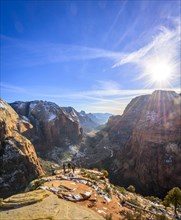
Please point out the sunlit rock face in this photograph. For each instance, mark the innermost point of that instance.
(52, 127)
(152, 157)
(18, 160)
(145, 143)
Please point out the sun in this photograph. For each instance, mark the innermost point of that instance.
(159, 72)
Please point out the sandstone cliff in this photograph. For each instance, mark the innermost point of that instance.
(18, 160)
(52, 127)
(143, 146)
(154, 152)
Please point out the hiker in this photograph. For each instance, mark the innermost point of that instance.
(73, 167)
(69, 166)
(53, 172)
(64, 168)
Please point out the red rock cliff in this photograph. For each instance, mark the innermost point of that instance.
(18, 161)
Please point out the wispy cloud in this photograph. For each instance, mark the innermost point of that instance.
(32, 54)
(12, 88)
(165, 47)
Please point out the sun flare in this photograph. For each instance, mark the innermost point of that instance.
(160, 72)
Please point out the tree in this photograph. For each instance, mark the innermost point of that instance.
(173, 197)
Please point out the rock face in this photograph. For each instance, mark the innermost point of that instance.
(52, 127)
(143, 146)
(18, 160)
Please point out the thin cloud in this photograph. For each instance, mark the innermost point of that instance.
(12, 88)
(32, 54)
(164, 47)
(106, 85)
(99, 100)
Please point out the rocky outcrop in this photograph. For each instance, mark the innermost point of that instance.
(52, 127)
(18, 160)
(143, 146)
(41, 204)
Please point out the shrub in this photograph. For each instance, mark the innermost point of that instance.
(133, 216)
(35, 184)
(108, 216)
(95, 169)
(105, 173)
(83, 170)
(153, 199)
(131, 188)
(161, 217)
(121, 189)
(92, 176)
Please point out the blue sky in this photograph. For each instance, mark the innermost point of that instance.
(91, 55)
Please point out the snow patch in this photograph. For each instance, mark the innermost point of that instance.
(25, 118)
(21, 105)
(51, 117)
(74, 149)
(32, 105)
(2, 105)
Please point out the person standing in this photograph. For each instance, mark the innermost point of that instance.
(73, 167)
(69, 166)
(64, 168)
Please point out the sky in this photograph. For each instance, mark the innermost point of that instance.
(92, 55)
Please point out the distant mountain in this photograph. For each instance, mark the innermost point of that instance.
(88, 121)
(18, 159)
(82, 118)
(143, 146)
(101, 118)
